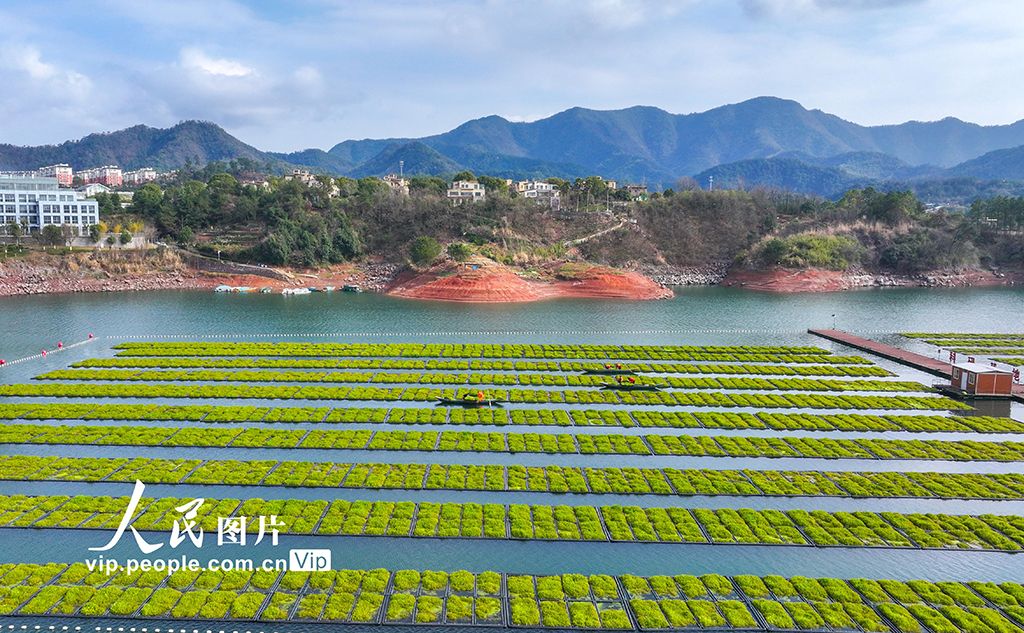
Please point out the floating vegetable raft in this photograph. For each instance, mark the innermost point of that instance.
(566, 601)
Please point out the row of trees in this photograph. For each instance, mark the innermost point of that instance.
(62, 234)
(336, 219)
(894, 231)
(1001, 213)
(300, 225)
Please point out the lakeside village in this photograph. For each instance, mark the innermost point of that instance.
(56, 206)
(58, 196)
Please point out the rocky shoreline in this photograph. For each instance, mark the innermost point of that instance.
(711, 275)
(157, 270)
(817, 280)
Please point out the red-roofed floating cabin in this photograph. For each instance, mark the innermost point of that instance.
(980, 380)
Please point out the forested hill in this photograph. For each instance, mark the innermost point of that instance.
(198, 142)
(333, 220)
(760, 142)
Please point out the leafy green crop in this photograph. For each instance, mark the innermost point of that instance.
(608, 480)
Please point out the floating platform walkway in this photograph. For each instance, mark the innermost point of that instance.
(910, 359)
(902, 356)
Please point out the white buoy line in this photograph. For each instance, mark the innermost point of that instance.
(61, 347)
(457, 333)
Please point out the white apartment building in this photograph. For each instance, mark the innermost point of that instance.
(541, 192)
(139, 176)
(466, 191)
(397, 184)
(90, 190)
(36, 201)
(109, 175)
(62, 172)
(302, 176)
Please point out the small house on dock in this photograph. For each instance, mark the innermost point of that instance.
(980, 380)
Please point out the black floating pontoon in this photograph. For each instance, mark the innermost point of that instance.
(469, 403)
(609, 372)
(630, 387)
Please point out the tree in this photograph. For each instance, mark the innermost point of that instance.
(459, 251)
(494, 185)
(773, 251)
(464, 176)
(94, 232)
(428, 185)
(147, 201)
(15, 230)
(346, 186)
(368, 189)
(686, 183)
(424, 250)
(52, 235)
(125, 237)
(109, 203)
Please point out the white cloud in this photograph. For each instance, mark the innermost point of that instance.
(774, 8)
(316, 72)
(195, 59)
(40, 94)
(29, 61)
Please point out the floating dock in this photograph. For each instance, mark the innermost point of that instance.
(902, 356)
(910, 359)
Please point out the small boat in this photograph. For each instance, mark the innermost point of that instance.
(223, 288)
(328, 289)
(630, 387)
(314, 289)
(295, 291)
(609, 372)
(469, 403)
(265, 290)
(351, 288)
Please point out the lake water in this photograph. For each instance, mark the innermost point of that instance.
(29, 323)
(694, 316)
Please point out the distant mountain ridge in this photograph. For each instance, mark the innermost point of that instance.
(762, 141)
(137, 146)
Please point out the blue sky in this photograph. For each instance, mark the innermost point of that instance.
(309, 73)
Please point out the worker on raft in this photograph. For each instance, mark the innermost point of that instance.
(479, 396)
(607, 366)
(632, 380)
(618, 365)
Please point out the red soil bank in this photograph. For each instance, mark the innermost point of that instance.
(494, 283)
(607, 283)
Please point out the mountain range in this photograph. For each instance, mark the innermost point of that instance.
(762, 141)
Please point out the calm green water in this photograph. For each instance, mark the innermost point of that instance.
(29, 323)
(694, 316)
